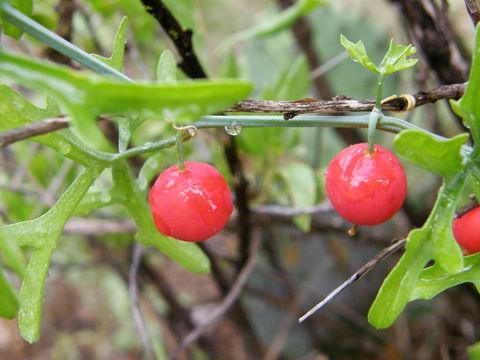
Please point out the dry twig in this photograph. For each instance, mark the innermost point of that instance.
(473, 10)
(356, 276)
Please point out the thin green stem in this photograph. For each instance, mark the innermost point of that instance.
(179, 146)
(373, 118)
(31, 27)
(379, 91)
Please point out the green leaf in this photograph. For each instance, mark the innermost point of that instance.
(12, 255)
(468, 106)
(8, 298)
(396, 58)
(440, 156)
(167, 67)
(116, 61)
(86, 95)
(434, 280)
(16, 111)
(433, 241)
(358, 53)
(282, 21)
(24, 6)
(42, 234)
(474, 351)
(301, 186)
(396, 290)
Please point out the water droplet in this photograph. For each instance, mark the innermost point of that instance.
(233, 129)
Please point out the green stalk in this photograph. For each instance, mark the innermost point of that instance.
(373, 118)
(31, 27)
(179, 145)
(375, 114)
(379, 91)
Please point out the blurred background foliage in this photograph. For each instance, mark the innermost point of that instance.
(87, 307)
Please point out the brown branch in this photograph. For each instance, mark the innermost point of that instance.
(338, 104)
(302, 32)
(227, 302)
(344, 104)
(39, 128)
(473, 10)
(356, 276)
(180, 36)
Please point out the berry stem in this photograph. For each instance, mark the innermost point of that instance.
(378, 91)
(373, 118)
(375, 114)
(179, 144)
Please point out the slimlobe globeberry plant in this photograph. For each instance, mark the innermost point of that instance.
(191, 201)
(366, 188)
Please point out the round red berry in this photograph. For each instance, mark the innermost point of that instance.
(466, 230)
(366, 189)
(191, 204)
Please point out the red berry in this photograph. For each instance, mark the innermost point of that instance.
(466, 230)
(190, 205)
(366, 189)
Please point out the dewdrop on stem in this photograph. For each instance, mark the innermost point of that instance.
(233, 129)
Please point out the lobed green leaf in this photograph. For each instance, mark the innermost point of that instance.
(116, 60)
(433, 241)
(16, 111)
(42, 234)
(359, 54)
(440, 156)
(434, 279)
(396, 58)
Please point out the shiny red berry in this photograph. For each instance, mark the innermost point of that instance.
(190, 205)
(466, 230)
(366, 189)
